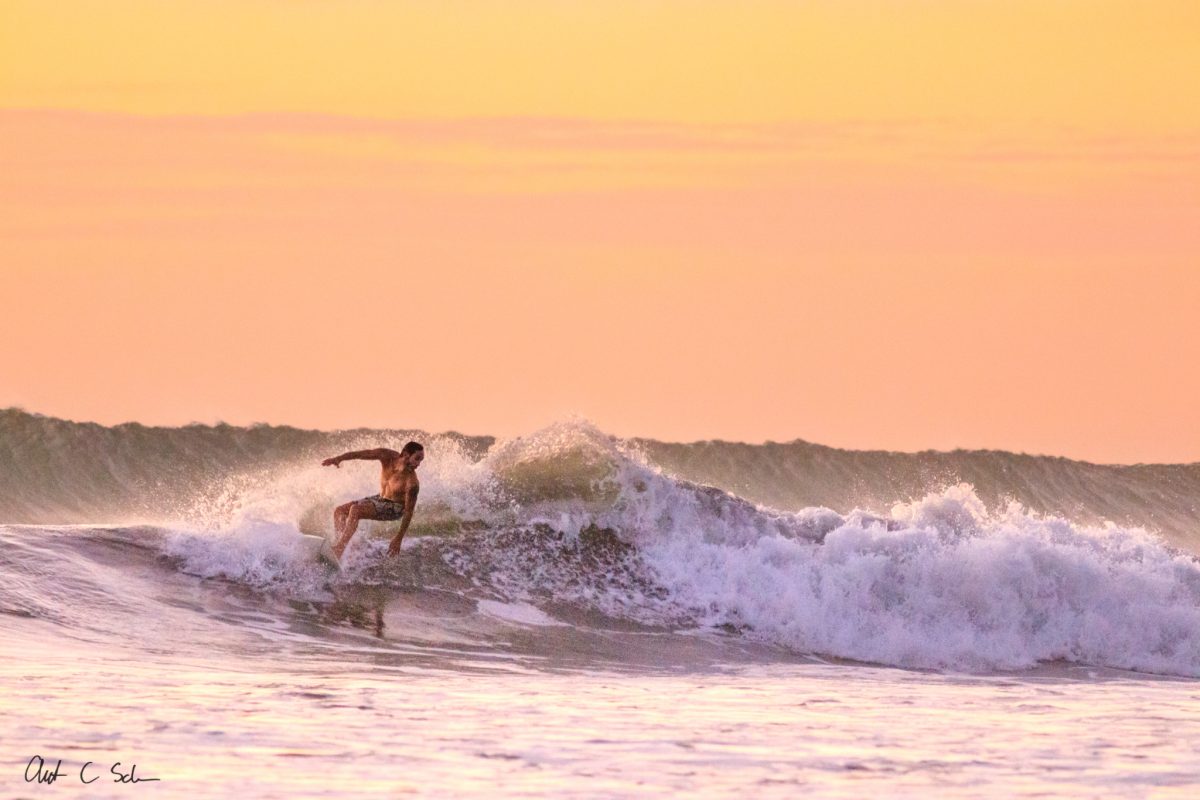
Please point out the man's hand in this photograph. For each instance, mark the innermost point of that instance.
(336, 461)
(394, 547)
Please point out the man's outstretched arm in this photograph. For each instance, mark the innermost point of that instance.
(378, 454)
(409, 504)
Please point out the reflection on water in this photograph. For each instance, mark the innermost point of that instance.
(359, 606)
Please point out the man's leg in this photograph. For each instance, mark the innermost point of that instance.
(339, 519)
(363, 509)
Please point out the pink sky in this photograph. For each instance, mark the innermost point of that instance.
(904, 286)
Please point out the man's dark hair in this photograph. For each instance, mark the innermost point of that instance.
(412, 447)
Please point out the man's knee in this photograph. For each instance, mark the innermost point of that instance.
(362, 510)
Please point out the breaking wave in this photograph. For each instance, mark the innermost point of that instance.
(571, 525)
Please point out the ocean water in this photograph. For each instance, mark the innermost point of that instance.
(574, 614)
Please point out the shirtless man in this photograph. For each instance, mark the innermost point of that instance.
(398, 487)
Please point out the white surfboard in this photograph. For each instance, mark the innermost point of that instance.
(321, 549)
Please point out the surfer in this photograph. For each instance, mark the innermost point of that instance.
(398, 487)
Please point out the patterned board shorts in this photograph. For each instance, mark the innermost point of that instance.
(385, 509)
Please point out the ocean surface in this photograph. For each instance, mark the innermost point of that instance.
(575, 614)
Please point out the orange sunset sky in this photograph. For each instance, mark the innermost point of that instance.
(899, 224)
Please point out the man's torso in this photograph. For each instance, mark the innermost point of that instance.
(395, 483)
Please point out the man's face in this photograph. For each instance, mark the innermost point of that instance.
(415, 459)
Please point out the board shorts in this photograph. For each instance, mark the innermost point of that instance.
(385, 510)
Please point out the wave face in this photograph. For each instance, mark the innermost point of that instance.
(55, 471)
(573, 527)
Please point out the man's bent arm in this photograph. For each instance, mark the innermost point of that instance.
(394, 547)
(378, 454)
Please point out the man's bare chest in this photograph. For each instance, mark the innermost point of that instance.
(396, 484)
